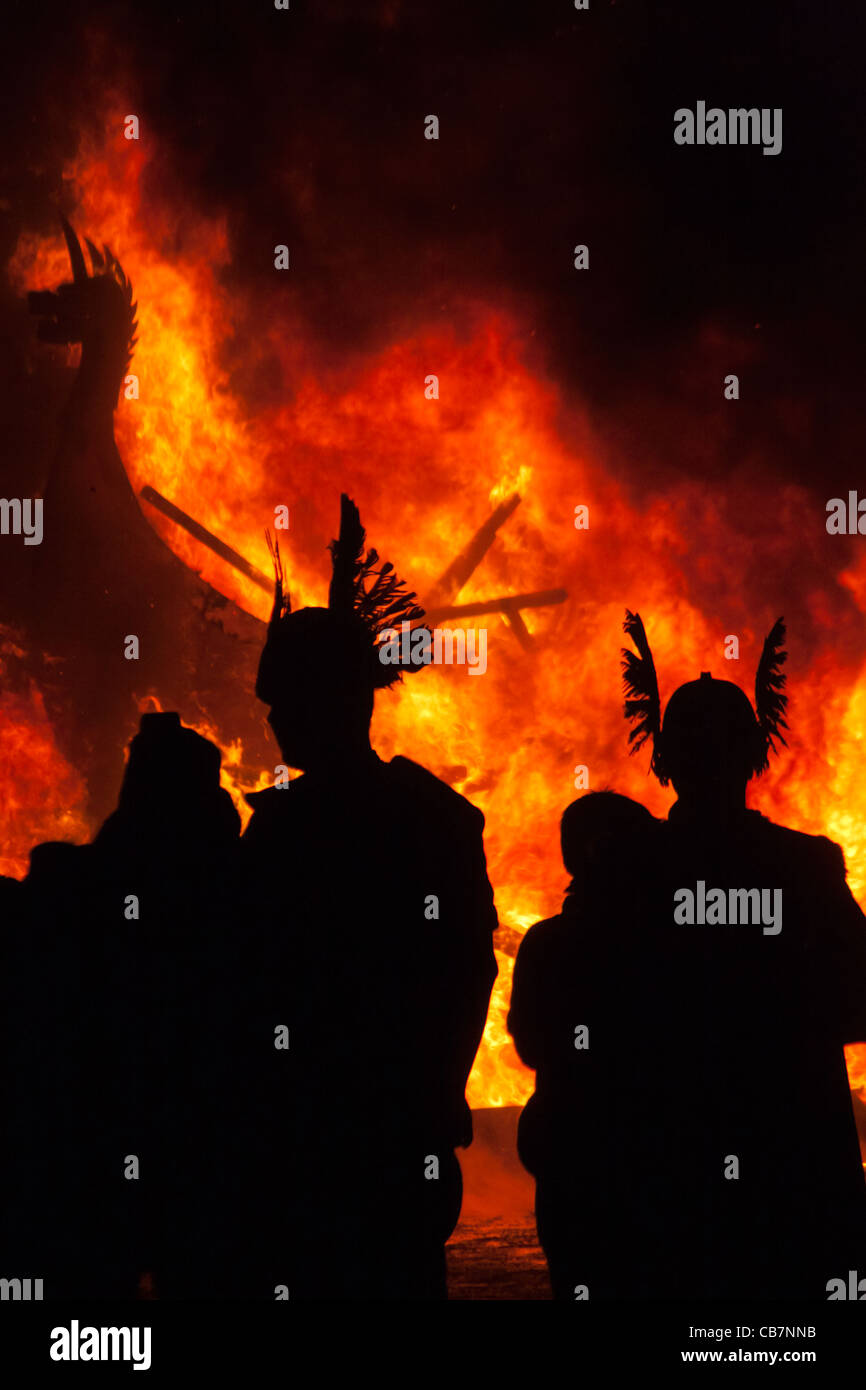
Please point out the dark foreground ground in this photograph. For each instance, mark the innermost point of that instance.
(494, 1253)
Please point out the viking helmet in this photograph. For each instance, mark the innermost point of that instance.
(365, 600)
(704, 711)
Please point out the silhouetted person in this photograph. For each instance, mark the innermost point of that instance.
(127, 1039)
(754, 957)
(377, 928)
(572, 1000)
(61, 1222)
(166, 864)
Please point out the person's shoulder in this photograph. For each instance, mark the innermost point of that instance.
(11, 896)
(60, 873)
(275, 812)
(58, 857)
(794, 838)
(816, 850)
(269, 801)
(540, 931)
(277, 801)
(429, 790)
(540, 940)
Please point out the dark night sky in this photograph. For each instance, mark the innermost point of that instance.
(556, 127)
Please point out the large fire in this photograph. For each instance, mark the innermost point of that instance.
(426, 473)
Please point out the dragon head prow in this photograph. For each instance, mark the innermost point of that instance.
(96, 310)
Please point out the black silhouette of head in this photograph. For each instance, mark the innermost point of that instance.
(317, 674)
(320, 667)
(710, 736)
(712, 741)
(595, 823)
(171, 789)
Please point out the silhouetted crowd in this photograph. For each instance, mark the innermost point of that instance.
(234, 1067)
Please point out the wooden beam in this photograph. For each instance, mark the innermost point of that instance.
(449, 584)
(201, 533)
(506, 604)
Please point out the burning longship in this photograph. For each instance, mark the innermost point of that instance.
(167, 525)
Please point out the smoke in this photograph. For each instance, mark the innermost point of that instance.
(306, 127)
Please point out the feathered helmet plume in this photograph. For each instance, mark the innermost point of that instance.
(380, 605)
(770, 701)
(642, 704)
(704, 700)
(365, 600)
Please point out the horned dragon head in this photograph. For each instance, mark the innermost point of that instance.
(95, 309)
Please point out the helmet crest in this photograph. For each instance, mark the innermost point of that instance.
(351, 628)
(712, 700)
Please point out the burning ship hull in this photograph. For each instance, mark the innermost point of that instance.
(429, 474)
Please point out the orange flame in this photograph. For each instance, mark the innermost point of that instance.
(426, 473)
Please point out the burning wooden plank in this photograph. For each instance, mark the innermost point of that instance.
(449, 584)
(508, 605)
(463, 567)
(201, 533)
